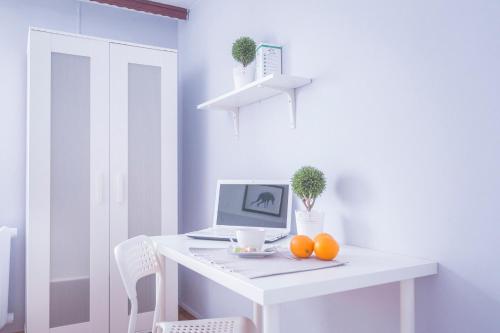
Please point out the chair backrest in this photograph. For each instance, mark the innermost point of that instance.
(137, 258)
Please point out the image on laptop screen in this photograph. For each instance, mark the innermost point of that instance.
(253, 205)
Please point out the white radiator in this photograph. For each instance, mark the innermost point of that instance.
(6, 234)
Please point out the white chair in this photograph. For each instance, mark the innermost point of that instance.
(137, 258)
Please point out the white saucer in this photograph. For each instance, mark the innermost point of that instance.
(260, 254)
(255, 254)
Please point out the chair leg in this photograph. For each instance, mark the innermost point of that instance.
(133, 315)
(158, 329)
(159, 303)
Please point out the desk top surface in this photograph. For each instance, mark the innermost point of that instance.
(365, 268)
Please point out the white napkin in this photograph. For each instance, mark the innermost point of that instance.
(283, 262)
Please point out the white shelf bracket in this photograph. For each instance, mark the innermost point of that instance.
(235, 113)
(292, 109)
(236, 121)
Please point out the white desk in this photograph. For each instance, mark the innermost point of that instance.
(366, 268)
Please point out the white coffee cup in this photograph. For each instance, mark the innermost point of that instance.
(251, 238)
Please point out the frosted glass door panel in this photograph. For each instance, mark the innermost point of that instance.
(144, 163)
(70, 190)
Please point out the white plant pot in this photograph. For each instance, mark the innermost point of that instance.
(309, 223)
(243, 75)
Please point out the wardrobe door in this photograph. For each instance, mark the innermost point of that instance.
(67, 171)
(143, 166)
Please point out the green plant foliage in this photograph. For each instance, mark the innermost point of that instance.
(244, 50)
(308, 183)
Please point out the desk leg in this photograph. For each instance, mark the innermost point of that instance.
(271, 318)
(257, 316)
(170, 295)
(407, 306)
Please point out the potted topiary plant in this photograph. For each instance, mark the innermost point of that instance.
(308, 183)
(244, 53)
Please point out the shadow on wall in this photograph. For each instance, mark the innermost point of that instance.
(442, 296)
(194, 122)
(362, 310)
(439, 298)
(354, 194)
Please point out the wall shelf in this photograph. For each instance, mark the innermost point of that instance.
(269, 86)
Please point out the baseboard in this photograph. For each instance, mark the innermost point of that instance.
(189, 310)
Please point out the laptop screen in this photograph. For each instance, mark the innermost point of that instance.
(253, 205)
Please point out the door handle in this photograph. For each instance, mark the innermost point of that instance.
(120, 188)
(100, 188)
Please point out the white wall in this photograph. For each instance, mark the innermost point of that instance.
(16, 17)
(402, 116)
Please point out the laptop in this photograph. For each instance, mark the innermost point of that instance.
(243, 204)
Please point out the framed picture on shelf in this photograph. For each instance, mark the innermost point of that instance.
(263, 199)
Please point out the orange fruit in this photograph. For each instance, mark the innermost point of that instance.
(325, 246)
(301, 246)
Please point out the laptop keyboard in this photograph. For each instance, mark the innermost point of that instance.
(229, 233)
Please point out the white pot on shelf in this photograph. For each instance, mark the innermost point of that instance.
(309, 223)
(243, 75)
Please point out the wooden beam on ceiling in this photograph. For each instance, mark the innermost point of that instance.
(149, 7)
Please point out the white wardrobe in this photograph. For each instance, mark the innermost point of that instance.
(101, 168)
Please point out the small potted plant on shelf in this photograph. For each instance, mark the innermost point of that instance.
(308, 183)
(244, 53)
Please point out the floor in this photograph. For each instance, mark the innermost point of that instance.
(183, 315)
